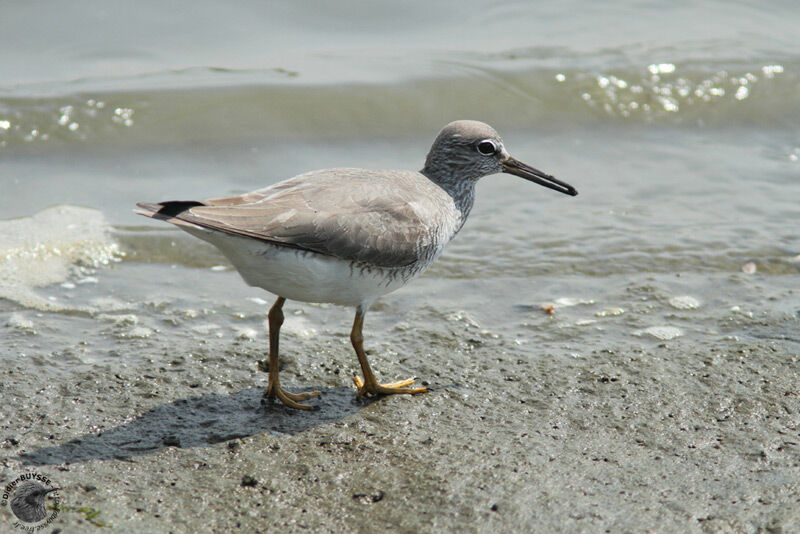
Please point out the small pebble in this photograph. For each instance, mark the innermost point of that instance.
(661, 332)
(684, 302)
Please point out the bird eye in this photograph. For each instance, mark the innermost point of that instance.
(487, 147)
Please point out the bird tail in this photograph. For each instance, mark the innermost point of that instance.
(165, 210)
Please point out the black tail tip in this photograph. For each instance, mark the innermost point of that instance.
(170, 208)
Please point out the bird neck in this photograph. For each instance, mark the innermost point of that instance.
(460, 190)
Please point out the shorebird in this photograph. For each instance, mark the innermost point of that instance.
(347, 236)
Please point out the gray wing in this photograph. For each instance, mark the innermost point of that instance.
(386, 218)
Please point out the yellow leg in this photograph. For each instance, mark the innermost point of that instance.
(274, 388)
(369, 385)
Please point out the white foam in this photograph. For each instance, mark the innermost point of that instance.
(140, 332)
(205, 329)
(50, 247)
(609, 312)
(566, 302)
(19, 322)
(246, 333)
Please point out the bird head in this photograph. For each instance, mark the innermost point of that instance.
(469, 150)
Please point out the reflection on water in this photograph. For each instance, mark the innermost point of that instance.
(667, 89)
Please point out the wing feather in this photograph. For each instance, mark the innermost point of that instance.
(353, 214)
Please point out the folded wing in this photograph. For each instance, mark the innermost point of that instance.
(352, 214)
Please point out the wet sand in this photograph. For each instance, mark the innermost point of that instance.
(684, 435)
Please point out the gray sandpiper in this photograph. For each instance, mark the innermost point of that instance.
(347, 236)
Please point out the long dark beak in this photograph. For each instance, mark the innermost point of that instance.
(517, 168)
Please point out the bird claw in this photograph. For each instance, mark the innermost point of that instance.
(393, 388)
(291, 400)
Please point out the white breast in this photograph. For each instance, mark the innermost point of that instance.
(301, 275)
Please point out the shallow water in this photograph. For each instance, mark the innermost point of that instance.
(678, 126)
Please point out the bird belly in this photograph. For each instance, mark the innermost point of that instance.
(303, 275)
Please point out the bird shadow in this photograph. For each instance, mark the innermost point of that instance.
(198, 422)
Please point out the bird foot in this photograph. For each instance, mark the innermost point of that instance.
(291, 400)
(373, 388)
